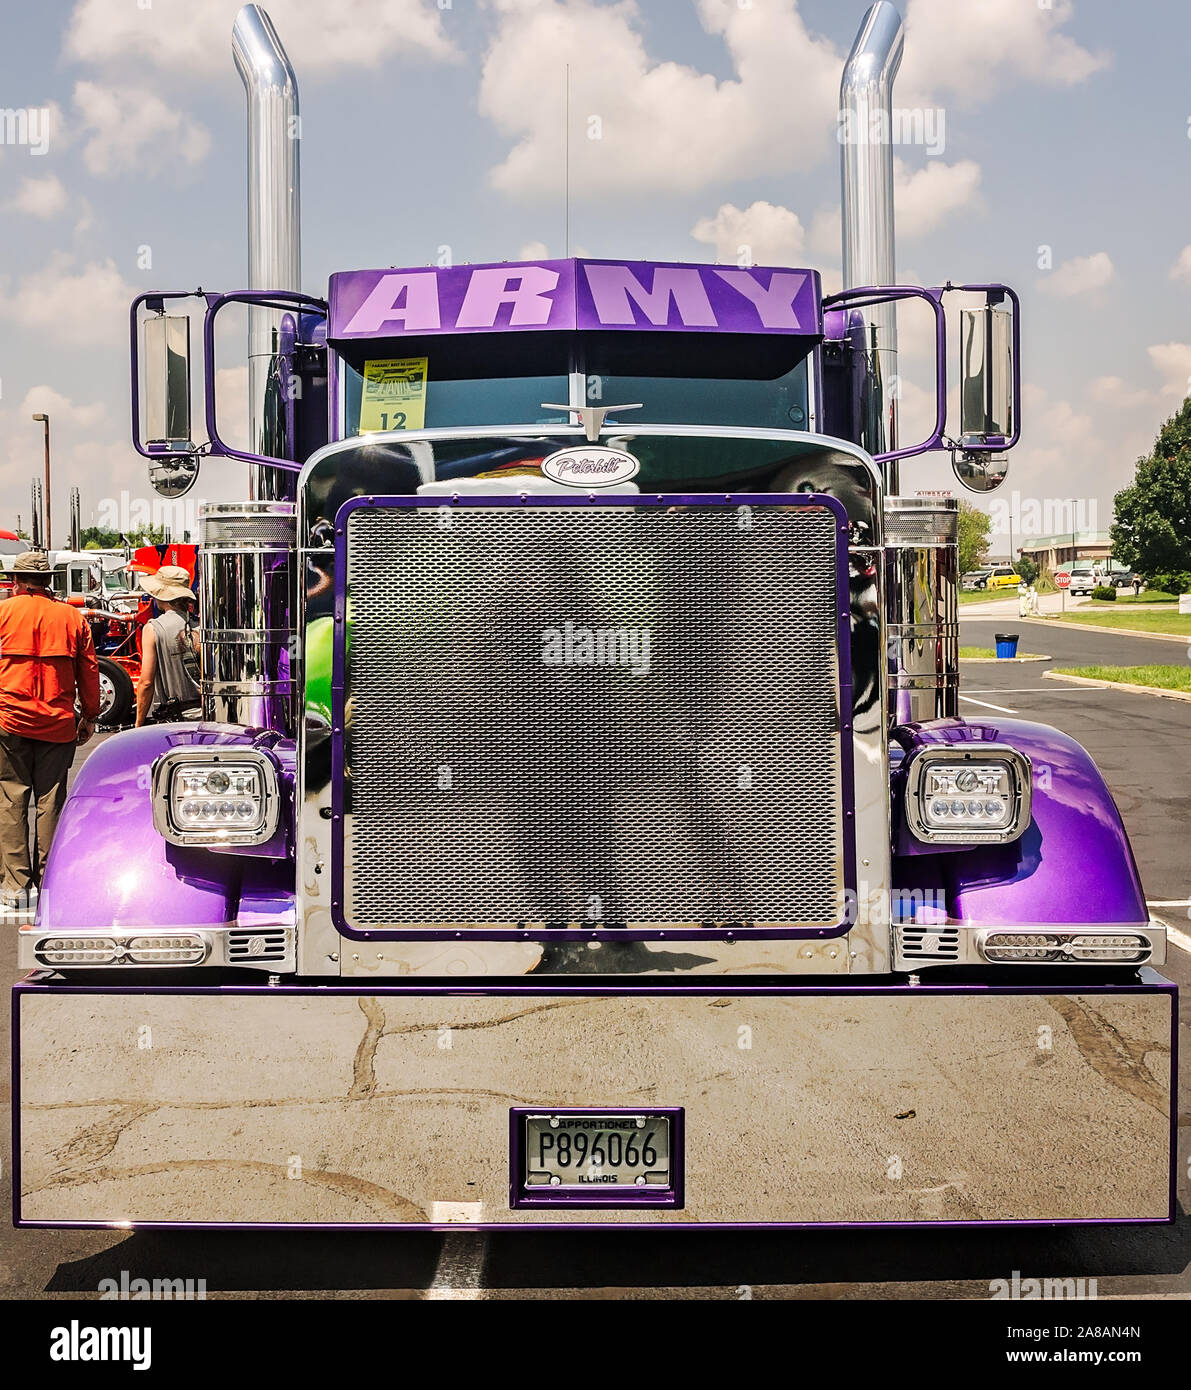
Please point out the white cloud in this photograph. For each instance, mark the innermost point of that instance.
(761, 234)
(1117, 394)
(131, 128)
(967, 54)
(534, 251)
(666, 126)
(40, 197)
(194, 36)
(73, 306)
(826, 231)
(647, 124)
(46, 400)
(1172, 362)
(923, 198)
(1081, 275)
(1181, 270)
(89, 451)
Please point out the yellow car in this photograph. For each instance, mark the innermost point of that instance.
(992, 577)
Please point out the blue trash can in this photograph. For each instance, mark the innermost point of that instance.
(1006, 643)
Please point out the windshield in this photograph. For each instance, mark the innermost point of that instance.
(754, 381)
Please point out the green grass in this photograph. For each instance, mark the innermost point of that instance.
(1164, 677)
(991, 651)
(984, 596)
(1171, 624)
(1150, 596)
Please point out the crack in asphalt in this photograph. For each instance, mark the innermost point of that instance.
(386, 1203)
(1118, 1059)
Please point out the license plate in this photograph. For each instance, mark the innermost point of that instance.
(573, 1152)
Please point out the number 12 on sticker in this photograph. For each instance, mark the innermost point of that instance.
(394, 394)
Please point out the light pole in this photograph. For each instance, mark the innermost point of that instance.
(45, 421)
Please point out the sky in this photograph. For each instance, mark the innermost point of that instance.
(1059, 164)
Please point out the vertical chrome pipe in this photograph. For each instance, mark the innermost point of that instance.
(866, 171)
(922, 607)
(247, 607)
(274, 232)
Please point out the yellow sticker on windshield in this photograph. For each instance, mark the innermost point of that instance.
(394, 394)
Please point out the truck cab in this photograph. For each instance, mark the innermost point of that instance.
(583, 828)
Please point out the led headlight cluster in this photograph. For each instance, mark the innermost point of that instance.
(1121, 948)
(968, 794)
(227, 795)
(202, 796)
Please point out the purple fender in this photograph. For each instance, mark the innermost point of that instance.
(109, 867)
(1073, 864)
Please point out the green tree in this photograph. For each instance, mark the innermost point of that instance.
(98, 538)
(1151, 529)
(974, 526)
(1027, 568)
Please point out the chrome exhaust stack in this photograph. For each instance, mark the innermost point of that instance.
(248, 604)
(866, 170)
(922, 607)
(274, 226)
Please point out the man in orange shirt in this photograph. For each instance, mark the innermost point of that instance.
(46, 658)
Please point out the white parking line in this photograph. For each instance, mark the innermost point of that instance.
(1042, 690)
(984, 705)
(1175, 935)
(460, 1272)
(1175, 902)
(1178, 938)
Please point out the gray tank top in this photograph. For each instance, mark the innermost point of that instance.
(172, 682)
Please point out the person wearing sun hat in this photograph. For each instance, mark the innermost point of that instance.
(47, 660)
(168, 688)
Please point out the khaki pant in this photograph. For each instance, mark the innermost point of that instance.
(29, 766)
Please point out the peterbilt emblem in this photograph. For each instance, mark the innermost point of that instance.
(590, 466)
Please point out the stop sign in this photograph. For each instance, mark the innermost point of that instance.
(1062, 580)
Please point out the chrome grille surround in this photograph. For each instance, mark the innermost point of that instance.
(481, 786)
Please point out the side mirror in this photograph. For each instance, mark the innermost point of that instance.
(173, 475)
(165, 357)
(986, 377)
(980, 472)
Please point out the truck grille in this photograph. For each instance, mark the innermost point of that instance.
(598, 716)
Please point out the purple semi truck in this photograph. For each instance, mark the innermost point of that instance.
(582, 829)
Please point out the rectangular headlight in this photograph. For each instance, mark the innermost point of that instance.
(968, 794)
(202, 796)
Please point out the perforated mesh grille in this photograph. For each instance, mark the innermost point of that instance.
(907, 524)
(612, 716)
(260, 529)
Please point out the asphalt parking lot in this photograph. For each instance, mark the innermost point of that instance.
(1143, 745)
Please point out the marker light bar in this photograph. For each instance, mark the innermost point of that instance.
(174, 948)
(969, 794)
(204, 797)
(77, 950)
(1028, 948)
